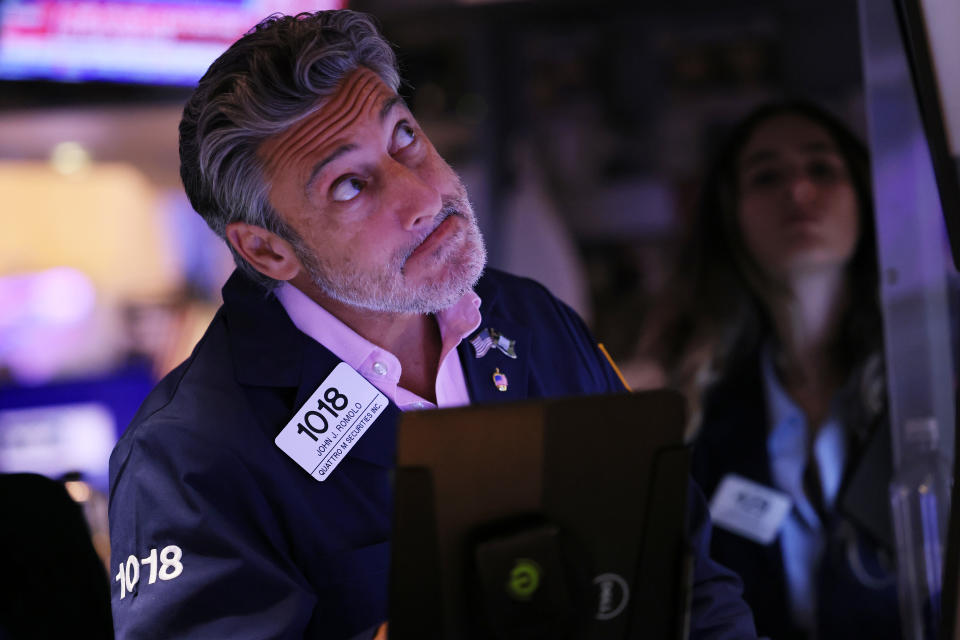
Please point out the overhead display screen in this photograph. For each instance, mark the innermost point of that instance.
(158, 42)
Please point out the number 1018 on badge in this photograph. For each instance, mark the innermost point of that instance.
(331, 421)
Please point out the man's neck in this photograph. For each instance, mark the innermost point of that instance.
(413, 338)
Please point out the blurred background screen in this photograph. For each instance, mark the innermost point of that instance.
(137, 41)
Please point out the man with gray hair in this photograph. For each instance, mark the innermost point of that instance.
(358, 295)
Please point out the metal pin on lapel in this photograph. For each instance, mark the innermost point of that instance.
(489, 338)
(499, 380)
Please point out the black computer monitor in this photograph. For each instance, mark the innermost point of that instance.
(561, 519)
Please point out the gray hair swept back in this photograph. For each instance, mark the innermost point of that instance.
(272, 77)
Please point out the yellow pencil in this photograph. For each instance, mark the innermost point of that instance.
(613, 364)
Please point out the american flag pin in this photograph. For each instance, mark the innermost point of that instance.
(490, 338)
(499, 380)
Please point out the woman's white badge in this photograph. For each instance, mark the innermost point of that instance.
(331, 421)
(749, 509)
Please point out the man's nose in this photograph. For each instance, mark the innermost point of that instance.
(415, 201)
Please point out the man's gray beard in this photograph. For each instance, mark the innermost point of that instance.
(387, 291)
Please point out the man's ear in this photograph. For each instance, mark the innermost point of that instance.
(269, 254)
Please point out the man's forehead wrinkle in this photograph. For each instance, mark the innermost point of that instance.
(326, 130)
(308, 129)
(345, 111)
(320, 126)
(293, 143)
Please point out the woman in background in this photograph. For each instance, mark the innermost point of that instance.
(774, 333)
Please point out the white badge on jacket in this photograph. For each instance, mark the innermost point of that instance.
(331, 421)
(749, 509)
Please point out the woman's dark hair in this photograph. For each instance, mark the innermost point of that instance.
(712, 316)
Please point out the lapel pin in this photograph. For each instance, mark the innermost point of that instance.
(489, 338)
(499, 380)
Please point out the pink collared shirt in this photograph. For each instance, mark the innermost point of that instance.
(380, 367)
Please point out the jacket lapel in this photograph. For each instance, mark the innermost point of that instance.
(479, 371)
(270, 352)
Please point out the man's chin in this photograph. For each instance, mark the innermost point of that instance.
(420, 286)
(445, 290)
(437, 298)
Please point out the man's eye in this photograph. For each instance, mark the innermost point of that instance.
(347, 189)
(403, 137)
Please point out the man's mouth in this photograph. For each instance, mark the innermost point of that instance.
(446, 224)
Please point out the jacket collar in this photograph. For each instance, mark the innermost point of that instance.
(269, 351)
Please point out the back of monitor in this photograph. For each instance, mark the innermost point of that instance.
(607, 475)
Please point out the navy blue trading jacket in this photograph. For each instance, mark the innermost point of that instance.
(216, 533)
